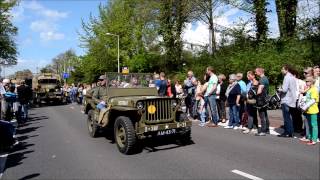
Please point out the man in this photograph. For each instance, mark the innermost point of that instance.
(163, 85)
(24, 96)
(210, 95)
(243, 88)
(263, 87)
(190, 84)
(98, 96)
(288, 100)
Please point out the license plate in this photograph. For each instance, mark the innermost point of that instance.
(166, 132)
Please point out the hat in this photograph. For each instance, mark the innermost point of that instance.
(102, 77)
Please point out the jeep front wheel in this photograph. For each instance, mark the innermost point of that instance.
(185, 137)
(92, 124)
(124, 134)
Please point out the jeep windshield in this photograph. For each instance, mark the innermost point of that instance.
(48, 81)
(131, 80)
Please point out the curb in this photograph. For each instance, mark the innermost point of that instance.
(272, 129)
(3, 159)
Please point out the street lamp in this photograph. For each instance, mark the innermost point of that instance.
(110, 34)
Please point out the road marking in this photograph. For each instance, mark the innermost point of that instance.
(249, 176)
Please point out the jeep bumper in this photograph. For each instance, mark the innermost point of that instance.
(151, 130)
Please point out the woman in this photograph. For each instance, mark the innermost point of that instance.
(252, 88)
(312, 98)
(178, 88)
(233, 98)
(221, 97)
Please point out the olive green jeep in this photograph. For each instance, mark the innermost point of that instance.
(135, 112)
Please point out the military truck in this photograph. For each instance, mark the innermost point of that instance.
(135, 112)
(47, 89)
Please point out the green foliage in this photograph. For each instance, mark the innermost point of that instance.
(150, 41)
(8, 47)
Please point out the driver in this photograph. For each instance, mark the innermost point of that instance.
(99, 95)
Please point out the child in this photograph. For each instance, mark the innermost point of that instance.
(200, 104)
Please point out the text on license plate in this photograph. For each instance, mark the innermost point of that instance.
(166, 132)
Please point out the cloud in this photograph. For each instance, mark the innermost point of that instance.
(51, 35)
(42, 26)
(308, 8)
(200, 34)
(54, 14)
(47, 30)
(47, 25)
(43, 11)
(31, 64)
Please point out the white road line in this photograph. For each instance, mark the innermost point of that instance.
(249, 176)
(3, 155)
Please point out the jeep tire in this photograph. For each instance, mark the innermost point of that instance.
(125, 135)
(93, 128)
(185, 137)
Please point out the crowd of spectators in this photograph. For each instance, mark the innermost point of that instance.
(208, 99)
(14, 97)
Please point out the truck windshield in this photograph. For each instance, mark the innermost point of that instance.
(47, 81)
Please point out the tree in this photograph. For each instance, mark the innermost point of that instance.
(204, 10)
(260, 10)
(287, 15)
(8, 47)
(24, 74)
(174, 14)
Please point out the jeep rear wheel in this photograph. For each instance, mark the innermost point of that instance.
(124, 134)
(92, 124)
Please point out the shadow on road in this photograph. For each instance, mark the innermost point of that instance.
(31, 176)
(20, 152)
(153, 144)
(163, 143)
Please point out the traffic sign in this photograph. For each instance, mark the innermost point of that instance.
(66, 75)
(125, 70)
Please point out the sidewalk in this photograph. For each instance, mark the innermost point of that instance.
(275, 119)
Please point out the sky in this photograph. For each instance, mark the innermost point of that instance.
(50, 27)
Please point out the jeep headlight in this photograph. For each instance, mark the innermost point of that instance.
(140, 105)
(174, 103)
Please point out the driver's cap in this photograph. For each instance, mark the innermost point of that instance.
(103, 77)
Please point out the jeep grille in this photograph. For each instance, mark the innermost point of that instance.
(163, 113)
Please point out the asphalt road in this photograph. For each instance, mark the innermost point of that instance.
(55, 145)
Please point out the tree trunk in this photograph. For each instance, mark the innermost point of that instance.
(287, 15)
(281, 17)
(291, 15)
(261, 19)
(212, 37)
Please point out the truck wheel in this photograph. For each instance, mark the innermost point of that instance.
(125, 136)
(93, 128)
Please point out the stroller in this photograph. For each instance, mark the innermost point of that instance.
(9, 125)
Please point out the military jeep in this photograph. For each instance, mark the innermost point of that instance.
(135, 112)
